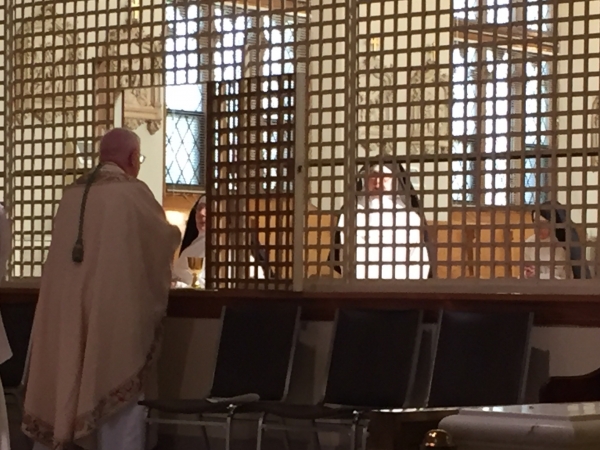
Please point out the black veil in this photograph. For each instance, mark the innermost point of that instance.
(191, 230)
(259, 251)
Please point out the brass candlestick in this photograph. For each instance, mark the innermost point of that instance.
(196, 265)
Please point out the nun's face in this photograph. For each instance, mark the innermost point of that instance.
(378, 183)
(542, 228)
(201, 217)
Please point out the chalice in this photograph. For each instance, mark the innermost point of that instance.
(196, 265)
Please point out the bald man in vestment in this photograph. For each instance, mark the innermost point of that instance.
(5, 351)
(103, 298)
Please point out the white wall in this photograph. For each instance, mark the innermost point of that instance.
(573, 351)
(152, 147)
(152, 171)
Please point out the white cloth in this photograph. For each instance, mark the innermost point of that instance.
(546, 246)
(181, 269)
(380, 168)
(388, 241)
(124, 431)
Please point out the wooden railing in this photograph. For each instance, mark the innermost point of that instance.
(487, 241)
(550, 310)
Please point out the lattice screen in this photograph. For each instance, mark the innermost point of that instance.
(67, 63)
(432, 136)
(3, 62)
(481, 112)
(251, 181)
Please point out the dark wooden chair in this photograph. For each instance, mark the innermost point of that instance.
(254, 359)
(372, 365)
(481, 359)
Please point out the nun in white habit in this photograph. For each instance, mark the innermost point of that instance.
(5, 351)
(193, 244)
(388, 235)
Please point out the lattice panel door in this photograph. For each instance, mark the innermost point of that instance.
(251, 181)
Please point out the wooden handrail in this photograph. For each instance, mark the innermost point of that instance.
(550, 310)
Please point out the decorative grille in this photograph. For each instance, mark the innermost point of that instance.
(252, 122)
(461, 117)
(67, 62)
(3, 79)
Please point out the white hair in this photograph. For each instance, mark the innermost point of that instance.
(117, 145)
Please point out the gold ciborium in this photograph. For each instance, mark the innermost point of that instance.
(196, 265)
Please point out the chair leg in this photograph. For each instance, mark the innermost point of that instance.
(287, 440)
(315, 437)
(229, 426)
(365, 435)
(260, 432)
(205, 435)
(286, 436)
(148, 425)
(354, 431)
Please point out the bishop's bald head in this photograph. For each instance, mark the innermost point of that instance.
(121, 147)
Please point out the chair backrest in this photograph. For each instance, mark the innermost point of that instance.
(256, 350)
(481, 359)
(18, 322)
(373, 358)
